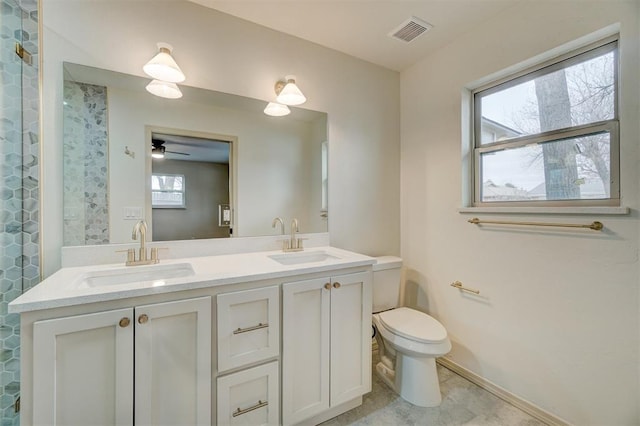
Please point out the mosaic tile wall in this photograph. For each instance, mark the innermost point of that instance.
(19, 186)
(86, 211)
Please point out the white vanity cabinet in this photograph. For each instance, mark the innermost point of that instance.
(326, 341)
(84, 366)
(257, 338)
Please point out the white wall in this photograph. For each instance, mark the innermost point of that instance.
(206, 186)
(220, 52)
(557, 319)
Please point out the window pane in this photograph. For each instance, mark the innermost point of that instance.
(579, 94)
(568, 169)
(167, 182)
(167, 199)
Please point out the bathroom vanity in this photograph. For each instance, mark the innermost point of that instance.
(252, 338)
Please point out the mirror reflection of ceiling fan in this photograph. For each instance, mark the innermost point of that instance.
(158, 149)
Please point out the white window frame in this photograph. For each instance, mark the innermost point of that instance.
(183, 192)
(610, 126)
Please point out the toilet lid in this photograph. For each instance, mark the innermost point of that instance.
(414, 325)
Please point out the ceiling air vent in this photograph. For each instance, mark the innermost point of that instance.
(410, 29)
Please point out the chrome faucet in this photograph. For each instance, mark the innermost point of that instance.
(143, 259)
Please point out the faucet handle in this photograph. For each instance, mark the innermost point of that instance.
(300, 240)
(285, 244)
(154, 253)
(131, 255)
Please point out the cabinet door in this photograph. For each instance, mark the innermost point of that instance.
(350, 336)
(173, 363)
(248, 327)
(305, 349)
(83, 369)
(250, 397)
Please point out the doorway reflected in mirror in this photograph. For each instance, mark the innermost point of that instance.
(189, 181)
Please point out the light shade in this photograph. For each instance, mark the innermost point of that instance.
(276, 110)
(157, 152)
(163, 66)
(290, 94)
(164, 89)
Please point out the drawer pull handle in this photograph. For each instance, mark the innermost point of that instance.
(240, 412)
(336, 285)
(255, 327)
(124, 322)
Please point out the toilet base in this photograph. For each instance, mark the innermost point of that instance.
(387, 375)
(415, 379)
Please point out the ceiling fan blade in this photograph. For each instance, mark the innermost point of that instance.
(175, 152)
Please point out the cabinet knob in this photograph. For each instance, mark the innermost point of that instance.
(336, 285)
(142, 319)
(124, 322)
(327, 286)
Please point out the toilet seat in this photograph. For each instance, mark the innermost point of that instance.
(413, 325)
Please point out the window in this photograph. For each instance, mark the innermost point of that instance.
(549, 136)
(168, 191)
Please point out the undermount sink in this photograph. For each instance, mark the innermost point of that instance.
(302, 257)
(130, 274)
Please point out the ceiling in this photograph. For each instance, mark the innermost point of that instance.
(360, 28)
(187, 148)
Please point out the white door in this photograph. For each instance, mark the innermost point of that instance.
(173, 363)
(83, 367)
(305, 349)
(350, 336)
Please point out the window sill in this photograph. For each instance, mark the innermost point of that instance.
(602, 210)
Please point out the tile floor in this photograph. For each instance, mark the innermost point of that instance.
(463, 403)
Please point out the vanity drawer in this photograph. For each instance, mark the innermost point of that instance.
(248, 327)
(250, 397)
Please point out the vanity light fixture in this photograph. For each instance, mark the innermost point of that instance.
(288, 93)
(275, 109)
(163, 66)
(164, 89)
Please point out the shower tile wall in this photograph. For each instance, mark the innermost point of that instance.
(86, 214)
(19, 186)
(30, 148)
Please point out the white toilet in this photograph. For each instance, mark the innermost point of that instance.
(408, 340)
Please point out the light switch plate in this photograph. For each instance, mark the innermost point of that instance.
(132, 213)
(224, 215)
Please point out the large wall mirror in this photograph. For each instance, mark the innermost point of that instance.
(228, 169)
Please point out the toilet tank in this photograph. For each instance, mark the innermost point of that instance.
(386, 283)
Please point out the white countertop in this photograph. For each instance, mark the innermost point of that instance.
(63, 288)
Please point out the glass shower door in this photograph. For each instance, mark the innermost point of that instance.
(19, 259)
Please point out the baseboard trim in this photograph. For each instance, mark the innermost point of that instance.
(529, 408)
